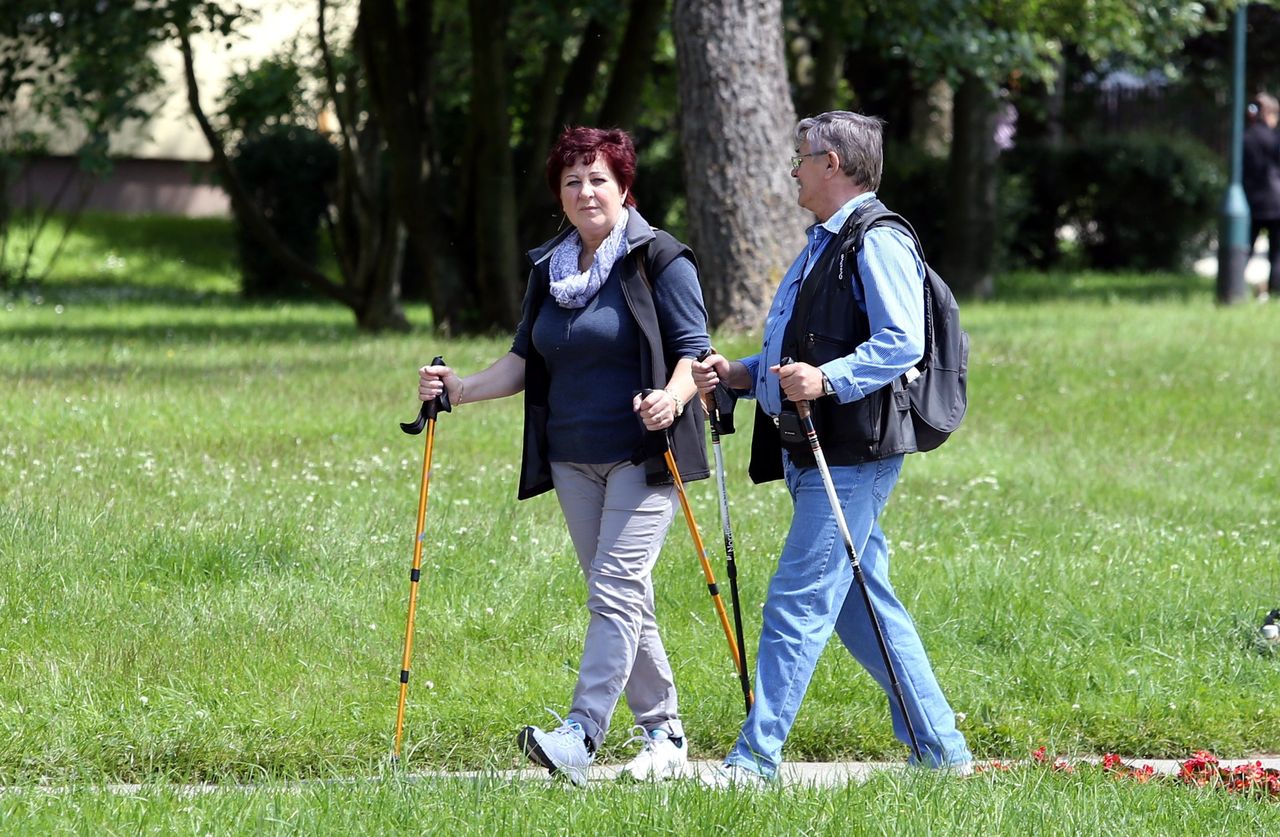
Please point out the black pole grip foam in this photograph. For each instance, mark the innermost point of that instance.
(429, 409)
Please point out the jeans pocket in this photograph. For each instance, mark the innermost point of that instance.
(887, 471)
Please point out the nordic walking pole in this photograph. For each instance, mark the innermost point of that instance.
(806, 419)
(731, 565)
(700, 548)
(426, 418)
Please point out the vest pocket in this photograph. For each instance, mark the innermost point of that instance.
(821, 349)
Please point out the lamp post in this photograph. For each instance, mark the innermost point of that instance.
(1233, 236)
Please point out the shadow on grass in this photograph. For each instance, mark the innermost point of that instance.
(264, 332)
(161, 371)
(1101, 287)
(208, 243)
(99, 292)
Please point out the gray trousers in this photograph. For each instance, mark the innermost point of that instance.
(618, 524)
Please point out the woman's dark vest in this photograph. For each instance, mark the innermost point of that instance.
(828, 323)
(657, 249)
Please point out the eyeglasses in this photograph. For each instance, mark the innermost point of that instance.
(799, 158)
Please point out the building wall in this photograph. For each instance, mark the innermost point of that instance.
(135, 187)
(162, 164)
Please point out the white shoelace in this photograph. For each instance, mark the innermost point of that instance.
(646, 741)
(566, 725)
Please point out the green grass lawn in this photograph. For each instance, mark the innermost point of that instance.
(1030, 802)
(206, 523)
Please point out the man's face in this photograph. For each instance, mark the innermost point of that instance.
(810, 174)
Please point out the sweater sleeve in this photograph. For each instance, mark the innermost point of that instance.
(520, 344)
(682, 316)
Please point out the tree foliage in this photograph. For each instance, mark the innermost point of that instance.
(78, 70)
(981, 46)
(445, 110)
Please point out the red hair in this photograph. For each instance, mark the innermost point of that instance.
(613, 144)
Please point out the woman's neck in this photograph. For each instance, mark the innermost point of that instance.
(587, 253)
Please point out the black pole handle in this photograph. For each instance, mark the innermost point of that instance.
(656, 442)
(429, 409)
(713, 409)
(723, 402)
(802, 407)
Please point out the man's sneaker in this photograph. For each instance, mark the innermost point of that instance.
(563, 751)
(661, 756)
(732, 776)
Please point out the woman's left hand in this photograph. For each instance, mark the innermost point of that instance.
(657, 409)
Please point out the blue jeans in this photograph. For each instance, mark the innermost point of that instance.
(811, 594)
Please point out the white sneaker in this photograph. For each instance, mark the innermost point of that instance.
(563, 751)
(732, 776)
(661, 756)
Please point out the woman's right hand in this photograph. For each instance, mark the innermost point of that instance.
(432, 380)
(708, 372)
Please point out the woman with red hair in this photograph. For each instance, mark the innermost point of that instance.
(612, 319)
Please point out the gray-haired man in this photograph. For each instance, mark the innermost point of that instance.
(852, 334)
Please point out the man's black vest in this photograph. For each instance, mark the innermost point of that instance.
(828, 323)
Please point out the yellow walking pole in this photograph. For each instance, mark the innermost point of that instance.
(706, 565)
(426, 418)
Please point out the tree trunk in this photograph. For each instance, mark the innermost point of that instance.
(969, 256)
(394, 44)
(538, 211)
(381, 309)
(736, 124)
(825, 49)
(494, 186)
(631, 70)
(581, 78)
(367, 234)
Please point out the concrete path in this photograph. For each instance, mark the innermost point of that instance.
(793, 774)
(827, 774)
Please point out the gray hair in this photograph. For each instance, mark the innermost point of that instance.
(857, 139)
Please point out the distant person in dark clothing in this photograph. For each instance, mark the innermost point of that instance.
(1262, 178)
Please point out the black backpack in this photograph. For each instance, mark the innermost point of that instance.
(938, 384)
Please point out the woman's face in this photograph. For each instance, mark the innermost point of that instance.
(591, 198)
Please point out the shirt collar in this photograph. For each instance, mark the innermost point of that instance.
(833, 224)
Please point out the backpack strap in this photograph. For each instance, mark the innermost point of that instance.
(878, 215)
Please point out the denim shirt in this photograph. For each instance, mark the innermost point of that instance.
(893, 278)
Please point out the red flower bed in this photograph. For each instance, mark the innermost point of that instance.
(1201, 770)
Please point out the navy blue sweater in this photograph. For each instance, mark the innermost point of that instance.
(593, 359)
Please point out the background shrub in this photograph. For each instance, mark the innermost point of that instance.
(1138, 202)
(914, 185)
(1153, 201)
(289, 172)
